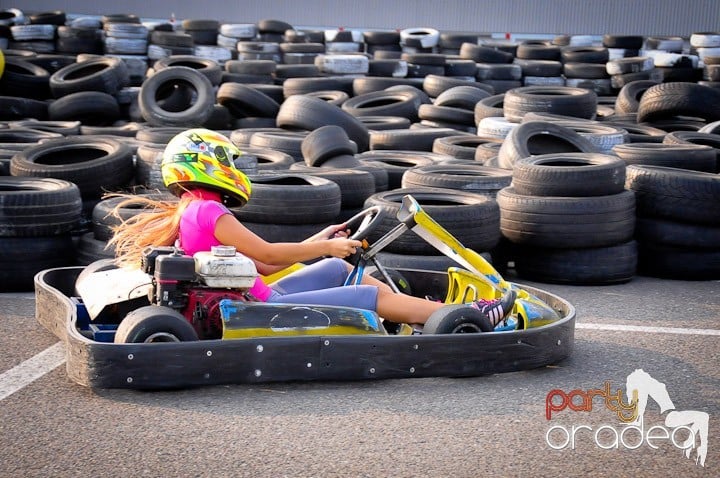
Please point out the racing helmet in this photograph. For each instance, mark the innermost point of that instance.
(201, 158)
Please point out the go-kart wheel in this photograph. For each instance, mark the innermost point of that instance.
(154, 323)
(365, 222)
(457, 319)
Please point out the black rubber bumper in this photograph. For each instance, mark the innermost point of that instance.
(158, 366)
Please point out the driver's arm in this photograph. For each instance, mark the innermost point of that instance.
(229, 231)
(336, 230)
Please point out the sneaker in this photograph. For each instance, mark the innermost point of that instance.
(497, 309)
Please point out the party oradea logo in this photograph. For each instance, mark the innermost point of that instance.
(686, 430)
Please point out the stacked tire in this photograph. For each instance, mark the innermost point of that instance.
(282, 203)
(37, 216)
(678, 222)
(569, 219)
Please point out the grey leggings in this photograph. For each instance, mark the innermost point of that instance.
(322, 283)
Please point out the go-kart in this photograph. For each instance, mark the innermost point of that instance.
(185, 321)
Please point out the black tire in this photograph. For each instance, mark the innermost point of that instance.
(103, 74)
(334, 97)
(408, 140)
(289, 142)
(384, 103)
(484, 54)
(628, 98)
(446, 114)
(324, 143)
(678, 263)
(675, 194)
(462, 146)
(241, 137)
(163, 83)
(251, 67)
(638, 133)
(473, 178)
(569, 174)
(361, 86)
(208, 67)
(438, 262)
(285, 232)
(23, 257)
(243, 101)
(395, 163)
(563, 100)
(65, 128)
(89, 107)
(472, 218)
(541, 137)
(287, 198)
(676, 234)
(300, 86)
(158, 136)
(584, 54)
(309, 113)
(492, 106)
(89, 249)
(667, 100)
(355, 185)
(457, 319)
(270, 160)
(465, 97)
(154, 323)
(103, 220)
(566, 222)
(627, 42)
(38, 206)
(686, 156)
(539, 68)
(434, 85)
(24, 79)
(693, 137)
(501, 72)
(16, 108)
(615, 264)
(148, 159)
(95, 166)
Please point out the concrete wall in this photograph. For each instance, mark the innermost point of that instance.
(596, 17)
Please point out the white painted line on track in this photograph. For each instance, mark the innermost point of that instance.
(32, 369)
(652, 330)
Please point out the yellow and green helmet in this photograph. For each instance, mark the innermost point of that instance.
(201, 158)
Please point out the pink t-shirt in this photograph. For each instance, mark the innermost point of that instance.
(197, 232)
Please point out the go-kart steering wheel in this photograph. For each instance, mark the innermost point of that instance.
(365, 222)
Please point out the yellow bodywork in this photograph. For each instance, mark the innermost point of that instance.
(478, 279)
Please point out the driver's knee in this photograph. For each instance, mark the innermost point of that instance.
(337, 268)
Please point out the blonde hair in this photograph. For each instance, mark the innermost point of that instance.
(157, 225)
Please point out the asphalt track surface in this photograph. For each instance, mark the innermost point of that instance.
(435, 427)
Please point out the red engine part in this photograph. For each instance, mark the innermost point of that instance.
(203, 310)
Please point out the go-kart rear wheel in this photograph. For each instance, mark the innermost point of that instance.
(154, 323)
(457, 319)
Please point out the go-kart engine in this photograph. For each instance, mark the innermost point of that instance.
(203, 310)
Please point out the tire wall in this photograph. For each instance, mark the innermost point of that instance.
(646, 17)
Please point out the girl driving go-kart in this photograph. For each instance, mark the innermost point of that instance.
(198, 167)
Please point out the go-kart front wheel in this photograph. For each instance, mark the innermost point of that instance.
(457, 319)
(154, 323)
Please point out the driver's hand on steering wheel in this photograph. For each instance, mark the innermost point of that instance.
(342, 247)
(333, 231)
